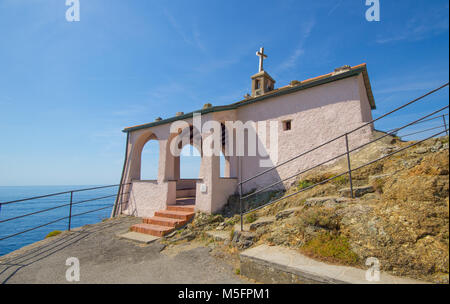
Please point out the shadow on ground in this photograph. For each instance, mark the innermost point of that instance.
(105, 258)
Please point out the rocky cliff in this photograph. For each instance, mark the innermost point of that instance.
(400, 215)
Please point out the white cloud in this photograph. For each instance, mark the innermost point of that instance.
(192, 38)
(335, 7)
(292, 60)
(427, 25)
(410, 86)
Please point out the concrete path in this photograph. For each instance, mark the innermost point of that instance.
(106, 258)
(273, 264)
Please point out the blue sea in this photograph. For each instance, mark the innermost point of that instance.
(21, 208)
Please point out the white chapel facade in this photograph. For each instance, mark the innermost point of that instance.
(305, 113)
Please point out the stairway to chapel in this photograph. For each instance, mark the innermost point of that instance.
(175, 216)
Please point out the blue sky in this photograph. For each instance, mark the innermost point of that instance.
(68, 89)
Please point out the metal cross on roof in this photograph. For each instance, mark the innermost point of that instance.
(261, 56)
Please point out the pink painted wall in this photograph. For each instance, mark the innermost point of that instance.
(145, 197)
(318, 114)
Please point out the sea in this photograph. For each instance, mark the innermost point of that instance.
(16, 210)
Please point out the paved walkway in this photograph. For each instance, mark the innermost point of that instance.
(106, 258)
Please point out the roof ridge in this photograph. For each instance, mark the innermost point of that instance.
(305, 84)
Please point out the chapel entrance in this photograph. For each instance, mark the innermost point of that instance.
(188, 166)
(189, 175)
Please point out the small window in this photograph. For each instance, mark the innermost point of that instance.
(256, 84)
(287, 125)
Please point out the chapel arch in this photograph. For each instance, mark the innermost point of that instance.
(136, 154)
(150, 160)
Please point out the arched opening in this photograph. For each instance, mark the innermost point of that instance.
(150, 160)
(189, 169)
(222, 165)
(225, 157)
(190, 160)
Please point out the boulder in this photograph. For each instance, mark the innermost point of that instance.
(243, 239)
(263, 221)
(286, 213)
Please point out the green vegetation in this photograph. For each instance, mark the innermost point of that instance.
(331, 247)
(237, 271)
(53, 233)
(232, 221)
(304, 184)
(340, 181)
(251, 217)
(232, 233)
(325, 218)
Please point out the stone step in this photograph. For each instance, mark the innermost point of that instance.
(185, 208)
(185, 201)
(150, 229)
(327, 201)
(262, 221)
(164, 221)
(358, 191)
(182, 215)
(138, 237)
(186, 193)
(287, 213)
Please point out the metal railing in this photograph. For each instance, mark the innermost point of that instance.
(69, 205)
(429, 117)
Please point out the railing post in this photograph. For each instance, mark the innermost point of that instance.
(445, 124)
(241, 178)
(70, 209)
(240, 207)
(121, 200)
(349, 165)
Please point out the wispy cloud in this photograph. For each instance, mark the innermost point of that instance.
(335, 7)
(168, 91)
(426, 25)
(216, 64)
(425, 78)
(191, 38)
(292, 60)
(131, 110)
(410, 86)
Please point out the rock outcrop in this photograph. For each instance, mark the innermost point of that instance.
(400, 214)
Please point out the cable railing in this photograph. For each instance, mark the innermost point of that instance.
(69, 205)
(440, 117)
(437, 114)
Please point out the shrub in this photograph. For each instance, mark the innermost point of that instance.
(324, 218)
(232, 221)
(331, 247)
(250, 218)
(53, 233)
(304, 184)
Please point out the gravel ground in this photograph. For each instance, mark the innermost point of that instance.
(105, 258)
